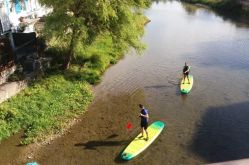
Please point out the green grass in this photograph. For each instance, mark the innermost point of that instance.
(44, 109)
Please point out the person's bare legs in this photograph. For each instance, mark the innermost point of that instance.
(147, 137)
(184, 76)
(188, 79)
(142, 131)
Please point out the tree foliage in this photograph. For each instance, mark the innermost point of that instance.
(75, 24)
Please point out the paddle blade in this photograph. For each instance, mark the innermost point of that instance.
(129, 125)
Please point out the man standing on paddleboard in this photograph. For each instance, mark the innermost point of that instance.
(144, 115)
(186, 71)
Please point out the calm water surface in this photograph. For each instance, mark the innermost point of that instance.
(210, 124)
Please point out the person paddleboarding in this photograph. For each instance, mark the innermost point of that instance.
(144, 115)
(186, 70)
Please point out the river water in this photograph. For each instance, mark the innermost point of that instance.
(210, 124)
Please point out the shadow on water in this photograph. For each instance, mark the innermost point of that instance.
(184, 97)
(157, 86)
(92, 145)
(223, 133)
(112, 136)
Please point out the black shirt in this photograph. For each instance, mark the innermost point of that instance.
(185, 68)
(144, 112)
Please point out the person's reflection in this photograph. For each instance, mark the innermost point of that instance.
(184, 97)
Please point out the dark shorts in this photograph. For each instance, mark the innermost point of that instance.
(144, 125)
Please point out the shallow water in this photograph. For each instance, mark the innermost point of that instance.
(210, 124)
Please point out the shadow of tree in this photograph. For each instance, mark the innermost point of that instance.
(223, 133)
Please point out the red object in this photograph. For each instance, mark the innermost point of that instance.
(128, 125)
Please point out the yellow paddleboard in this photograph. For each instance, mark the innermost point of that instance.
(139, 144)
(185, 86)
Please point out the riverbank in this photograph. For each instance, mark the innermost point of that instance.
(44, 109)
(48, 105)
(232, 8)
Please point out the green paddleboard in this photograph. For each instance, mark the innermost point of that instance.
(185, 86)
(139, 144)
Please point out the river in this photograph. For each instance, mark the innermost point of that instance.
(210, 124)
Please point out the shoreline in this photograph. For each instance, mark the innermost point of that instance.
(240, 15)
(223, 7)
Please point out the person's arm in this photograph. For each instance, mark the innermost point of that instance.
(187, 70)
(146, 115)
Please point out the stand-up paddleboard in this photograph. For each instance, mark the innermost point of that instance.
(139, 144)
(186, 87)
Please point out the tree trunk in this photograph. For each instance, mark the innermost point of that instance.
(67, 62)
(69, 56)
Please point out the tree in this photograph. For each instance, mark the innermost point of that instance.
(76, 23)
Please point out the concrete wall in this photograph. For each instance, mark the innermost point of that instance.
(11, 89)
(5, 74)
(11, 12)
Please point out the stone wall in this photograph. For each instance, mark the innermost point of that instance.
(5, 73)
(11, 89)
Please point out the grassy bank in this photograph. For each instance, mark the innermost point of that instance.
(44, 108)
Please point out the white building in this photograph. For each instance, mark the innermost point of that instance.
(12, 10)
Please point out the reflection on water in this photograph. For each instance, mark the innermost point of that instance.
(223, 133)
(190, 9)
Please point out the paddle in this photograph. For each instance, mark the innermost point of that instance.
(129, 127)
